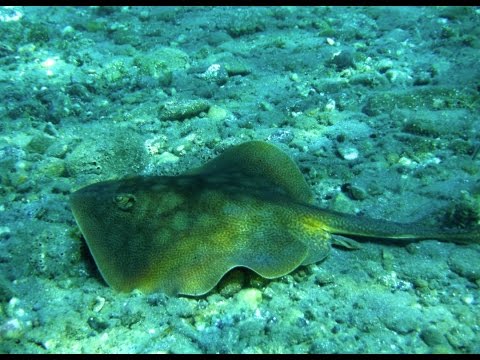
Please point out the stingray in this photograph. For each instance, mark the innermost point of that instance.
(249, 207)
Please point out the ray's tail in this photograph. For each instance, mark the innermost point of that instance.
(347, 224)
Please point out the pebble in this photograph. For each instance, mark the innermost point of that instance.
(167, 157)
(464, 262)
(404, 161)
(40, 143)
(357, 193)
(235, 67)
(402, 322)
(4, 231)
(99, 303)
(53, 167)
(348, 152)
(216, 73)
(433, 337)
(11, 329)
(250, 297)
(183, 109)
(217, 113)
(232, 283)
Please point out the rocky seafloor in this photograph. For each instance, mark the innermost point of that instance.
(378, 107)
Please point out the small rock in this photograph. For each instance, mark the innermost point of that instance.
(384, 65)
(167, 157)
(250, 297)
(217, 113)
(232, 283)
(433, 337)
(323, 278)
(57, 150)
(464, 262)
(237, 68)
(402, 322)
(180, 308)
(11, 329)
(40, 143)
(215, 73)
(97, 324)
(184, 109)
(357, 193)
(4, 231)
(53, 167)
(343, 60)
(281, 135)
(348, 152)
(98, 304)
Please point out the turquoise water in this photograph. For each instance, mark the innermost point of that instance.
(378, 107)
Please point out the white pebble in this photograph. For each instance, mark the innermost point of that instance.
(12, 329)
(330, 105)
(468, 299)
(348, 153)
(99, 303)
(405, 161)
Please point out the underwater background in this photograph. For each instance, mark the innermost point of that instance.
(379, 107)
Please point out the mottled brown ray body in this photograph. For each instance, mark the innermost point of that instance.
(249, 207)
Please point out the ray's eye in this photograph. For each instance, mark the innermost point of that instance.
(124, 202)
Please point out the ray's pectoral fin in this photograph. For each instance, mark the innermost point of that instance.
(260, 160)
(272, 253)
(268, 252)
